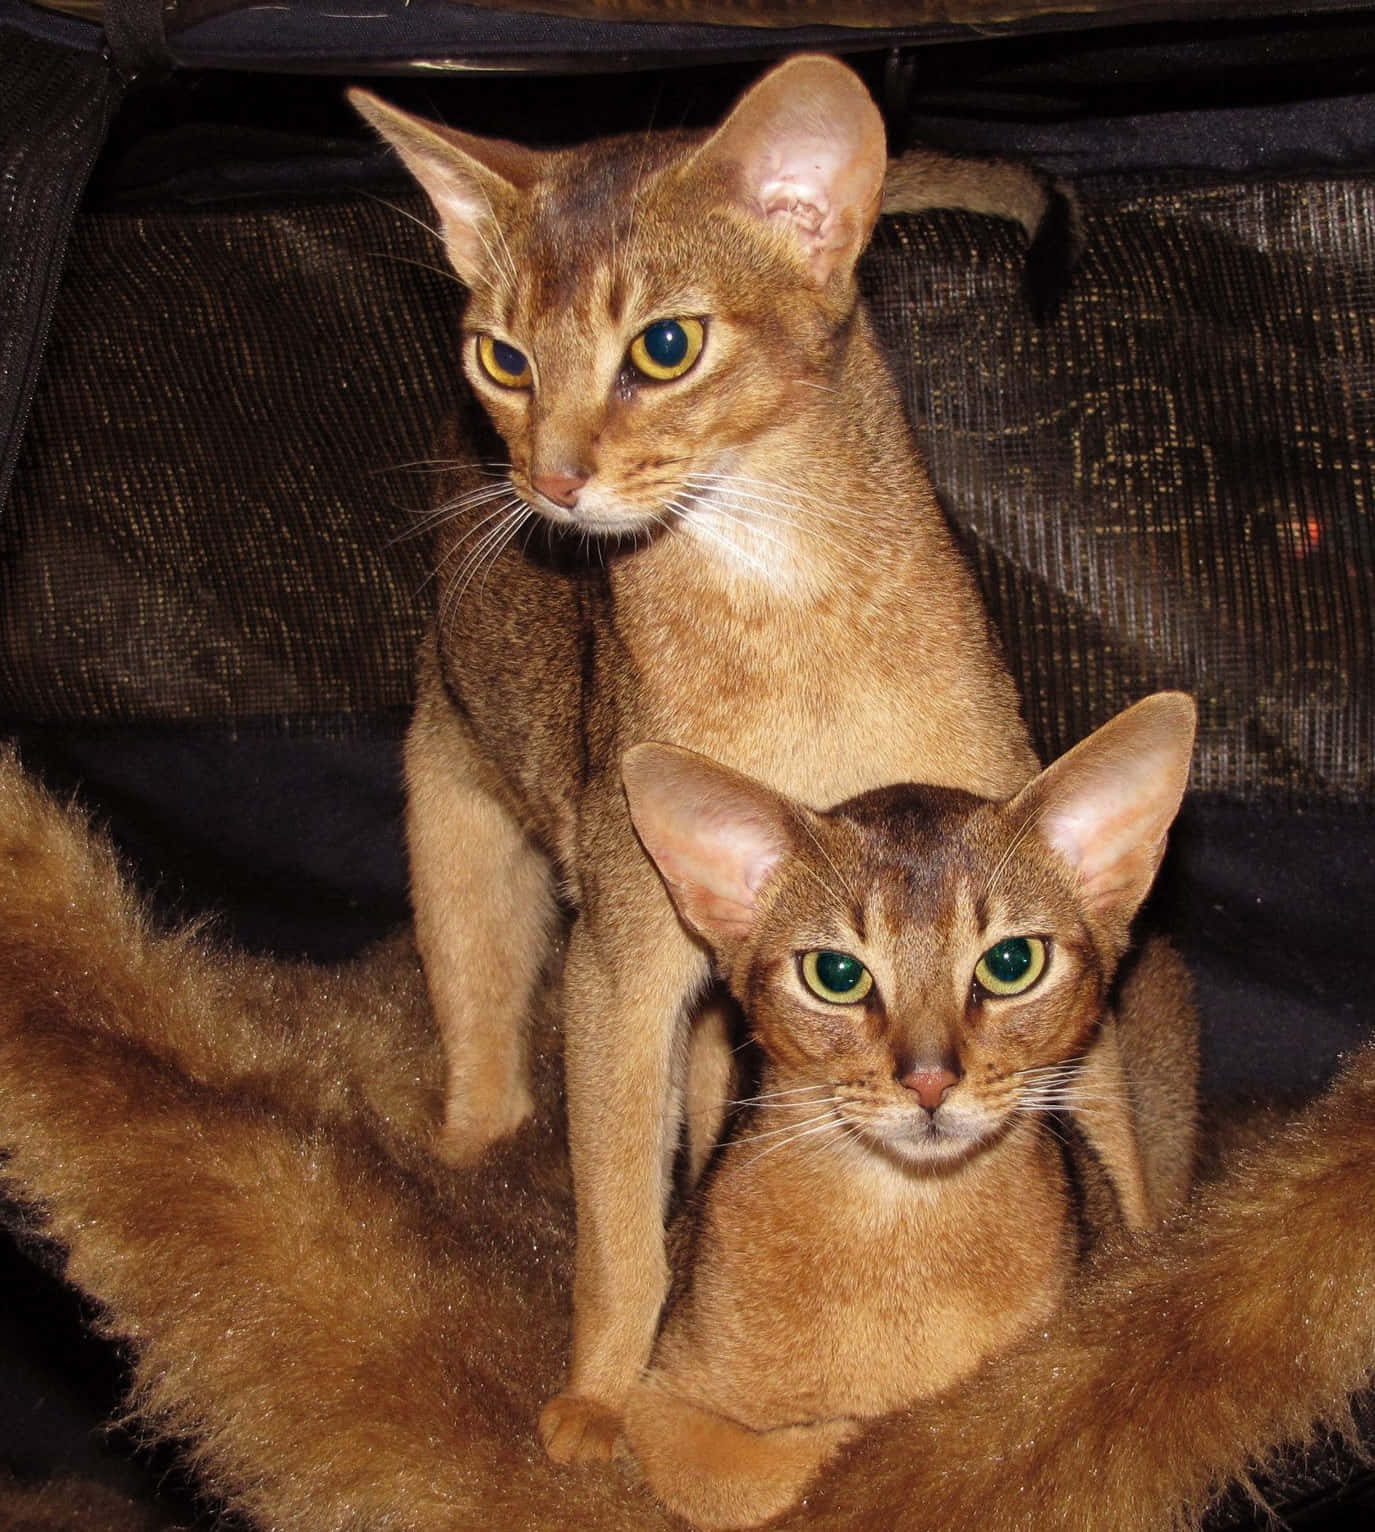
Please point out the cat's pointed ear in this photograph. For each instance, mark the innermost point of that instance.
(1107, 805)
(805, 149)
(470, 181)
(715, 835)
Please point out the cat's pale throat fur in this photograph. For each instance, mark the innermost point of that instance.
(894, 1209)
(713, 529)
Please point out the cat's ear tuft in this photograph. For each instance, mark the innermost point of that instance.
(716, 835)
(805, 149)
(1106, 806)
(471, 182)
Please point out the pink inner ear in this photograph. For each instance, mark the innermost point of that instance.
(714, 834)
(798, 186)
(717, 916)
(805, 151)
(809, 187)
(1107, 805)
(1114, 861)
(717, 873)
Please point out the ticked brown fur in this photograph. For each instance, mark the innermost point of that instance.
(232, 1156)
(895, 1209)
(770, 581)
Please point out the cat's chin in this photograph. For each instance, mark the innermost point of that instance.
(626, 526)
(595, 517)
(929, 1147)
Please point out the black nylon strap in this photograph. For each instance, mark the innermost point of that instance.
(56, 106)
(136, 33)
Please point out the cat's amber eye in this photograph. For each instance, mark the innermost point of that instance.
(668, 348)
(503, 363)
(836, 976)
(1011, 967)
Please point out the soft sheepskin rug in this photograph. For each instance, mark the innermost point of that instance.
(233, 1154)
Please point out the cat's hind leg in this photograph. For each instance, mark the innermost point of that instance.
(720, 1474)
(484, 906)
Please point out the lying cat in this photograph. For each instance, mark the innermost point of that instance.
(232, 1154)
(713, 529)
(925, 971)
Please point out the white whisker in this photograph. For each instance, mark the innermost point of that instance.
(508, 519)
(830, 1127)
(405, 213)
(1023, 830)
(766, 1098)
(447, 465)
(451, 510)
(792, 1090)
(782, 496)
(789, 1127)
(697, 525)
(410, 260)
(463, 548)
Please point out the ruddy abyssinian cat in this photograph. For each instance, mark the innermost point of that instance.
(925, 971)
(231, 1152)
(714, 530)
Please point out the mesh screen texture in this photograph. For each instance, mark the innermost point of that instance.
(210, 520)
(54, 106)
(1173, 484)
(216, 516)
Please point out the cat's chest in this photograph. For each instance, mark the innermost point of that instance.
(824, 700)
(840, 1302)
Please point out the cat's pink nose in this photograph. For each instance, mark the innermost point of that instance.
(560, 487)
(927, 1084)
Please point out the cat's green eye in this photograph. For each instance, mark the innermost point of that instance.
(1011, 967)
(836, 976)
(503, 363)
(667, 348)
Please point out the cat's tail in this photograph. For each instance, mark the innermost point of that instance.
(1046, 208)
(74, 940)
(1177, 1368)
(79, 947)
(716, 1473)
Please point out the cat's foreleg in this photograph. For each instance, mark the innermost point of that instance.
(1158, 1035)
(630, 974)
(1138, 1089)
(711, 1075)
(717, 1473)
(1105, 1112)
(483, 903)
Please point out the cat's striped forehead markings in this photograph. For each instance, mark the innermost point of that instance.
(582, 221)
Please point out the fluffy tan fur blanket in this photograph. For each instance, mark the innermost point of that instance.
(233, 1154)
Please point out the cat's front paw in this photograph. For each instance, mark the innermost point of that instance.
(576, 1429)
(469, 1130)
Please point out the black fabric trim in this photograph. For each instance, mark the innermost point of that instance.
(57, 107)
(136, 31)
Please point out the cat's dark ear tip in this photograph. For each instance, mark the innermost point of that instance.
(1054, 252)
(1180, 703)
(649, 760)
(638, 759)
(1167, 715)
(1184, 708)
(371, 108)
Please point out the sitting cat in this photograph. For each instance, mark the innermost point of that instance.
(925, 971)
(713, 529)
